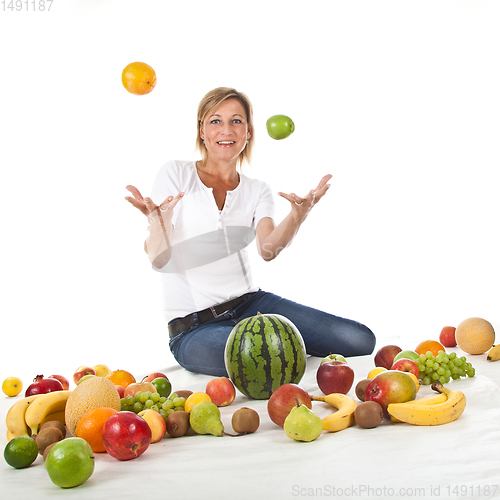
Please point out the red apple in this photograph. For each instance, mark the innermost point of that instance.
(391, 386)
(385, 356)
(335, 376)
(156, 423)
(126, 435)
(64, 381)
(447, 336)
(121, 390)
(283, 399)
(406, 365)
(42, 385)
(131, 389)
(150, 378)
(81, 372)
(221, 391)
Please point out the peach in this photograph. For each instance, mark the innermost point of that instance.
(156, 423)
(131, 389)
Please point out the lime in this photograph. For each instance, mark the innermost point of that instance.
(20, 452)
(12, 386)
(163, 386)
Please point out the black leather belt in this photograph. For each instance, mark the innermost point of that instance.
(181, 324)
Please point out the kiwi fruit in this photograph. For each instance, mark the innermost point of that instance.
(48, 436)
(368, 414)
(56, 424)
(361, 387)
(47, 450)
(245, 421)
(183, 393)
(178, 423)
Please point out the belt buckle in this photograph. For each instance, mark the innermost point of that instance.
(212, 309)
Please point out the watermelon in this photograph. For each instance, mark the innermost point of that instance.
(263, 352)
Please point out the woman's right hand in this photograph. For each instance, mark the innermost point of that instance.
(147, 206)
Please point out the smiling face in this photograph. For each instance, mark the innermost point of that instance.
(226, 131)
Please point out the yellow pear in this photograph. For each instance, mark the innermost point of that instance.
(101, 370)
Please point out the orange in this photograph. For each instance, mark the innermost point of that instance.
(429, 345)
(90, 427)
(139, 78)
(475, 336)
(121, 377)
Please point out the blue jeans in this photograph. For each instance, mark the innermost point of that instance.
(201, 348)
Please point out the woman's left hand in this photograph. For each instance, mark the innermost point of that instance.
(301, 207)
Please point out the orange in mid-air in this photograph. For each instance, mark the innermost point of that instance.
(139, 78)
(429, 345)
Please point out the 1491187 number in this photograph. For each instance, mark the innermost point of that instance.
(27, 5)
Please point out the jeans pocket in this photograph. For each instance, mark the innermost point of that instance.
(174, 341)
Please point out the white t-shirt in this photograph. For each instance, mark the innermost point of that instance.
(209, 263)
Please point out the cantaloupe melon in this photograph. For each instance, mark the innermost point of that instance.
(475, 335)
(95, 392)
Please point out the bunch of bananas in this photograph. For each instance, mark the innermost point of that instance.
(343, 417)
(439, 409)
(27, 415)
(493, 353)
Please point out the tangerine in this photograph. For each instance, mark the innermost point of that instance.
(429, 345)
(90, 427)
(121, 377)
(475, 335)
(139, 78)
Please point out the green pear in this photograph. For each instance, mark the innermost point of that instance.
(204, 418)
(302, 424)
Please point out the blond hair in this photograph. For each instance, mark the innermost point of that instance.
(210, 102)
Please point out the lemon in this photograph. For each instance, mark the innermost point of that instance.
(375, 372)
(194, 399)
(20, 452)
(12, 386)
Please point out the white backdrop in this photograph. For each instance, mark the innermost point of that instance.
(399, 101)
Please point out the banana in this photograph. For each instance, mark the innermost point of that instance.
(416, 413)
(429, 400)
(10, 436)
(46, 404)
(493, 353)
(343, 417)
(16, 424)
(57, 415)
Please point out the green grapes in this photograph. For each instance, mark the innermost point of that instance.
(443, 367)
(152, 400)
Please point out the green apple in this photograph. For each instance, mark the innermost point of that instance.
(406, 354)
(85, 377)
(280, 127)
(333, 357)
(70, 462)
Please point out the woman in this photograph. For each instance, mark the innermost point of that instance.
(202, 217)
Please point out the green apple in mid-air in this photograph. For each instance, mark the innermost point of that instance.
(407, 354)
(70, 462)
(333, 357)
(280, 127)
